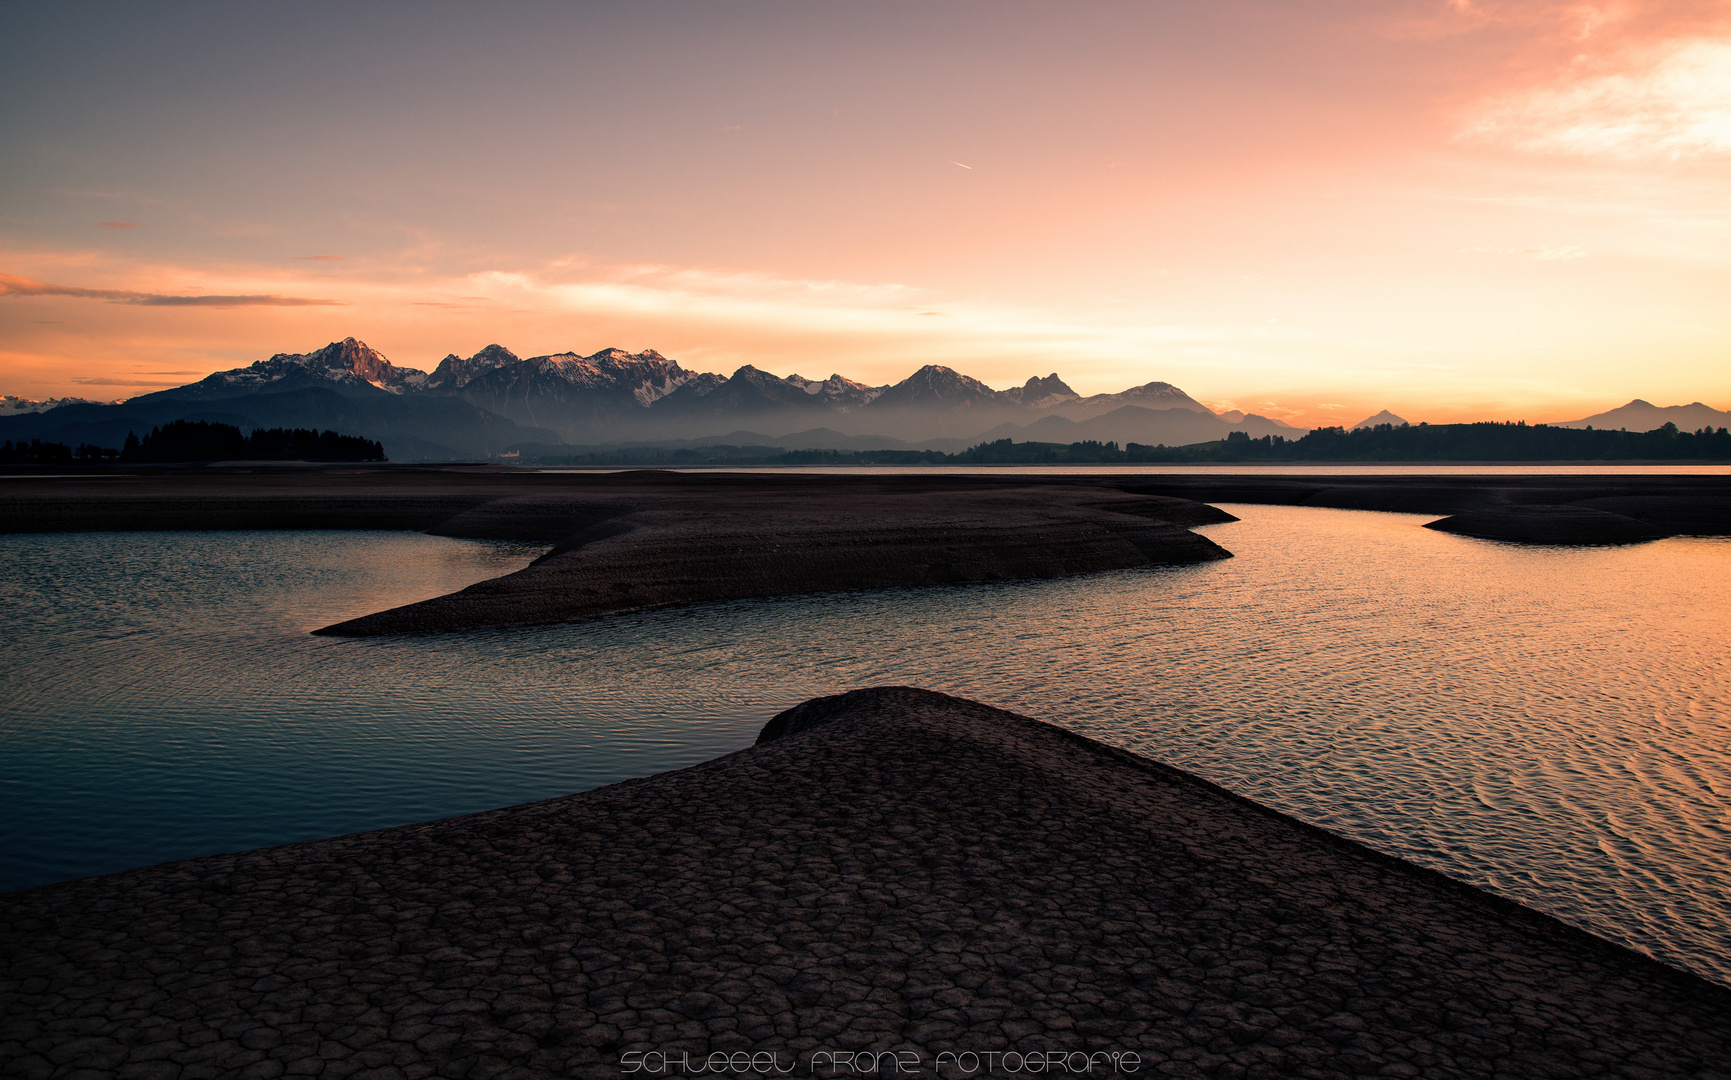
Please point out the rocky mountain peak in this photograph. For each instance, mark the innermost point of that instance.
(496, 355)
(1161, 395)
(837, 390)
(840, 384)
(1038, 393)
(844, 393)
(349, 355)
(613, 393)
(347, 362)
(619, 359)
(454, 372)
(13, 405)
(936, 386)
(703, 382)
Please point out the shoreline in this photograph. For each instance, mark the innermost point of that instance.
(633, 541)
(900, 871)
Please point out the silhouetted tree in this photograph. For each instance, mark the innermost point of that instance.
(35, 452)
(199, 440)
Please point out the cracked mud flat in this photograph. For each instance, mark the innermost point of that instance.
(891, 869)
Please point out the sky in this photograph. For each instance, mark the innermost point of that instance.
(1456, 210)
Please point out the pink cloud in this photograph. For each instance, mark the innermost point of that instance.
(12, 285)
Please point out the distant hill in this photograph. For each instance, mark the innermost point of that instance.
(482, 405)
(185, 440)
(1463, 442)
(11, 405)
(412, 429)
(1640, 415)
(1383, 417)
(1482, 442)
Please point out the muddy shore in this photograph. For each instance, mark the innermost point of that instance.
(635, 540)
(1606, 508)
(891, 870)
(630, 541)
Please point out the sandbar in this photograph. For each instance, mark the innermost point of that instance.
(890, 870)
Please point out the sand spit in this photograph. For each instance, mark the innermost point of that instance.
(680, 544)
(630, 541)
(1613, 508)
(1567, 524)
(889, 870)
(637, 540)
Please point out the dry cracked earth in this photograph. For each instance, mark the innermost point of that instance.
(891, 870)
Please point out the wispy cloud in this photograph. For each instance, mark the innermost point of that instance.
(12, 285)
(128, 382)
(1674, 103)
(155, 300)
(1545, 254)
(830, 307)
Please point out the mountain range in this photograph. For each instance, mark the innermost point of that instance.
(494, 401)
(1640, 415)
(486, 404)
(12, 405)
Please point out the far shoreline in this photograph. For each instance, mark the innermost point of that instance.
(637, 539)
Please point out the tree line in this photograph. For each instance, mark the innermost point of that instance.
(199, 440)
(184, 440)
(1385, 442)
(37, 452)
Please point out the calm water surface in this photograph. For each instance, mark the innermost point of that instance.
(1201, 469)
(1552, 724)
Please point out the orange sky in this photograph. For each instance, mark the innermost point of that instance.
(1309, 210)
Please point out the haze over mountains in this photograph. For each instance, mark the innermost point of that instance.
(495, 401)
(1639, 415)
(12, 405)
(490, 402)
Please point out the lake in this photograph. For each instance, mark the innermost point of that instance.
(1551, 724)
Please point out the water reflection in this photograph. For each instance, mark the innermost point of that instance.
(1554, 724)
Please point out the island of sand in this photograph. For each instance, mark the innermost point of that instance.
(887, 872)
(1535, 508)
(630, 541)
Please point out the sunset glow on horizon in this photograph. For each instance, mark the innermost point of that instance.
(1452, 210)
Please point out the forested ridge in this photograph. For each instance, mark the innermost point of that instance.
(198, 440)
(183, 440)
(1385, 442)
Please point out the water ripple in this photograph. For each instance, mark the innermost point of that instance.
(1552, 724)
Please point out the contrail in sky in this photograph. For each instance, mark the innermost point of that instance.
(970, 168)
